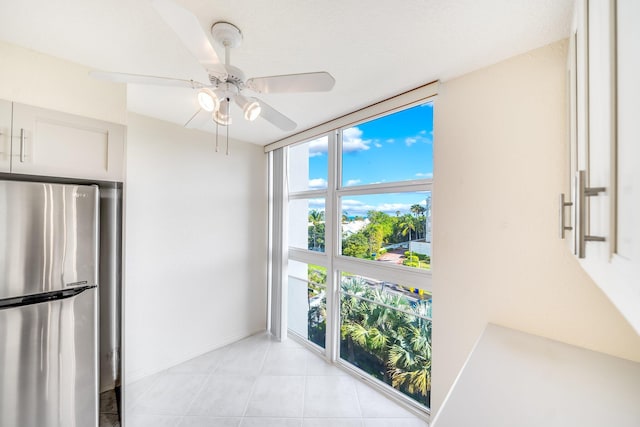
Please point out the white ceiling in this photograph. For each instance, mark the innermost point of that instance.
(374, 48)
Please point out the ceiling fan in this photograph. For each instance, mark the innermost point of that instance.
(227, 84)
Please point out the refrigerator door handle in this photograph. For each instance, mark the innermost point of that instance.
(43, 297)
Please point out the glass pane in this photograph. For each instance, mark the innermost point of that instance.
(397, 147)
(385, 330)
(306, 224)
(308, 165)
(393, 228)
(307, 301)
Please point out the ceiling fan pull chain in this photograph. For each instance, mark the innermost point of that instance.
(227, 135)
(216, 137)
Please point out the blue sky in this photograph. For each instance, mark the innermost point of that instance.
(397, 147)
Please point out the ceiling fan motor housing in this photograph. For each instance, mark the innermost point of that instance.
(235, 75)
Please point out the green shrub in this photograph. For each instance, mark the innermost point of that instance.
(412, 258)
(382, 251)
(410, 263)
(408, 253)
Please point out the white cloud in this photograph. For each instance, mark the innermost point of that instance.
(392, 208)
(425, 175)
(352, 140)
(317, 184)
(352, 182)
(377, 144)
(420, 137)
(318, 147)
(390, 141)
(355, 207)
(317, 204)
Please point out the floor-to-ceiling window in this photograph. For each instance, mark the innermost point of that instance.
(307, 179)
(359, 247)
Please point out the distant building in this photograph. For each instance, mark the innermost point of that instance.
(353, 227)
(420, 247)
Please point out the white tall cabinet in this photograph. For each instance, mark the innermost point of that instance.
(38, 141)
(605, 153)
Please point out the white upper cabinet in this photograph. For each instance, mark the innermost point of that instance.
(5, 136)
(605, 132)
(51, 143)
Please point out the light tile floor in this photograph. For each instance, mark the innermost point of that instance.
(260, 382)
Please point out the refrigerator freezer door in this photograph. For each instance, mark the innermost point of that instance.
(48, 363)
(48, 237)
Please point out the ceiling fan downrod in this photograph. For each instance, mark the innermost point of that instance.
(228, 35)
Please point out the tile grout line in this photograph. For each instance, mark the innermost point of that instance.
(204, 383)
(253, 387)
(136, 402)
(304, 390)
(355, 385)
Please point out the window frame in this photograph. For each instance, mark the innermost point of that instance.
(411, 275)
(332, 259)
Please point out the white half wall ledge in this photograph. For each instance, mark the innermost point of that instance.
(512, 378)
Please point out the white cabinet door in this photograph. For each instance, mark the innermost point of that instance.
(5, 136)
(609, 153)
(51, 143)
(628, 130)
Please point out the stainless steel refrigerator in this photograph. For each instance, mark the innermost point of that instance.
(48, 305)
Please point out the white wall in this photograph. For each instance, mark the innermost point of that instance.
(196, 244)
(195, 220)
(501, 160)
(36, 79)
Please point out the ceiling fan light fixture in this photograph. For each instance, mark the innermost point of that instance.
(250, 107)
(208, 100)
(221, 115)
(252, 110)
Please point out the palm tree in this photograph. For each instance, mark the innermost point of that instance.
(427, 210)
(393, 345)
(409, 362)
(417, 210)
(316, 230)
(407, 225)
(316, 216)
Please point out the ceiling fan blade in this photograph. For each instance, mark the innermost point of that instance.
(275, 117)
(188, 28)
(145, 80)
(198, 120)
(306, 82)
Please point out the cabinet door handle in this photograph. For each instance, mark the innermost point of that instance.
(563, 226)
(21, 145)
(582, 192)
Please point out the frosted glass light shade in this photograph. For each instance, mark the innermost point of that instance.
(208, 100)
